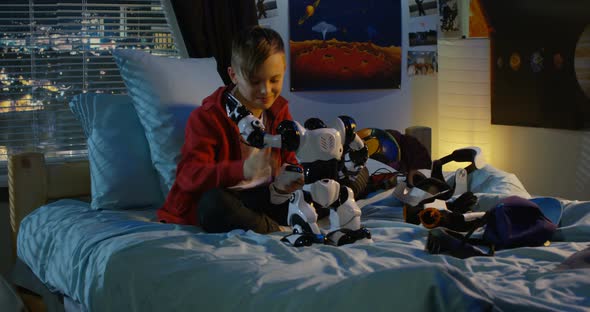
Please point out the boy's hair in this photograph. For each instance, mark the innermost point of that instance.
(252, 46)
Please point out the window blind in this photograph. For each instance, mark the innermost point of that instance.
(51, 50)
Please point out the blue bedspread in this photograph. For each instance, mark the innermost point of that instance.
(121, 261)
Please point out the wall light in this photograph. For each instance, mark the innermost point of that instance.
(464, 104)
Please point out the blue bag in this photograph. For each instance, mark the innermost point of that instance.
(513, 222)
(517, 222)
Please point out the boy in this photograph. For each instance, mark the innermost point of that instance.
(221, 182)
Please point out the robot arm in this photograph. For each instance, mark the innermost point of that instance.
(356, 152)
(251, 128)
(357, 156)
(253, 131)
(316, 143)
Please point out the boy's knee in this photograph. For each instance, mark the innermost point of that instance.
(211, 210)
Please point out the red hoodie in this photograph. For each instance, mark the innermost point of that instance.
(211, 156)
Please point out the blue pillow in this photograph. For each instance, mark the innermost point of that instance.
(164, 91)
(121, 171)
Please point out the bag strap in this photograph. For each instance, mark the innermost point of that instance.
(479, 241)
(441, 240)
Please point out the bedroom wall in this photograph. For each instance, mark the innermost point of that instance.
(547, 161)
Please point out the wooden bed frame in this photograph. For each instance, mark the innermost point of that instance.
(33, 182)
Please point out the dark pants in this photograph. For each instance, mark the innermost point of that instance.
(223, 210)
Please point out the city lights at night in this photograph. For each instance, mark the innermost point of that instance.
(52, 50)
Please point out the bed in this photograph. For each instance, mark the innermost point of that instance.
(84, 254)
(121, 260)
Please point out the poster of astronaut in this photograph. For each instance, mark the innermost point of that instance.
(344, 45)
(450, 18)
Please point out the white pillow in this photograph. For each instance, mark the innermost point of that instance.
(164, 91)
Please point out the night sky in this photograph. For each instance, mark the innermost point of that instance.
(355, 20)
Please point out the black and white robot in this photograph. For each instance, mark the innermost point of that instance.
(325, 153)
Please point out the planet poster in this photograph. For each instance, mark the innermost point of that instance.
(582, 61)
(345, 44)
(539, 63)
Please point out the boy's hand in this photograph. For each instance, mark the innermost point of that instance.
(257, 164)
(289, 179)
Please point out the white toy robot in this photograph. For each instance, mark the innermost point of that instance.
(325, 154)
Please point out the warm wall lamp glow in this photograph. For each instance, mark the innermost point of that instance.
(464, 117)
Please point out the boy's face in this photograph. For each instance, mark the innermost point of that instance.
(259, 92)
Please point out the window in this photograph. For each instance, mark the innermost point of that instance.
(51, 50)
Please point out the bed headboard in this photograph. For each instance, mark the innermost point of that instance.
(33, 182)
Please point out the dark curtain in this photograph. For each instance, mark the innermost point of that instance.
(208, 26)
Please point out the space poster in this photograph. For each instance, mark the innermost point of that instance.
(344, 45)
